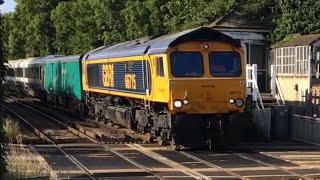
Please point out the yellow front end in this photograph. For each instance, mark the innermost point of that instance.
(218, 86)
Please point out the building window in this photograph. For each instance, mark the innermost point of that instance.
(302, 60)
(292, 60)
(160, 70)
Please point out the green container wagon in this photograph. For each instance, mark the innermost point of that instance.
(62, 77)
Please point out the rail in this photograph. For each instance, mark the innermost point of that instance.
(82, 135)
(48, 139)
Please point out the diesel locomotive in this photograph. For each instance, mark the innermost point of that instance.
(181, 88)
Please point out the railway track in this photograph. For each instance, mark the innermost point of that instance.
(158, 162)
(106, 133)
(50, 140)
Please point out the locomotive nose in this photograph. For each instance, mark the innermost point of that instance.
(206, 96)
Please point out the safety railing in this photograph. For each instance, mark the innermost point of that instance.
(276, 90)
(252, 85)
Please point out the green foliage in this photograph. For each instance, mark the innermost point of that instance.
(64, 24)
(40, 27)
(13, 37)
(193, 13)
(109, 20)
(296, 17)
(136, 16)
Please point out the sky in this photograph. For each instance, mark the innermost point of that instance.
(8, 6)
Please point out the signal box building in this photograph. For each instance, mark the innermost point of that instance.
(252, 37)
(297, 66)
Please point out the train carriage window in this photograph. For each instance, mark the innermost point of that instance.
(18, 72)
(36, 73)
(29, 72)
(40, 73)
(160, 69)
(225, 64)
(187, 64)
(10, 72)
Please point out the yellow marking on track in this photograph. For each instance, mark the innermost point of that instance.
(308, 162)
(264, 168)
(95, 171)
(301, 156)
(148, 148)
(98, 155)
(122, 149)
(269, 175)
(192, 162)
(295, 168)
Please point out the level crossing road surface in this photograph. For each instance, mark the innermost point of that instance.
(269, 160)
(95, 160)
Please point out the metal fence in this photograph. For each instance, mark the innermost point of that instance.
(309, 106)
(304, 128)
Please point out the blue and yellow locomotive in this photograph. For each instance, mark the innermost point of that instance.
(180, 88)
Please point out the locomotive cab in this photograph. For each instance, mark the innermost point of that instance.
(206, 82)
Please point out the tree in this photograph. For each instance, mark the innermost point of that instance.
(2, 69)
(296, 17)
(137, 19)
(181, 15)
(64, 23)
(13, 37)
(109, 20)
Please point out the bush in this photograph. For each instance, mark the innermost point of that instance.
(11, 129)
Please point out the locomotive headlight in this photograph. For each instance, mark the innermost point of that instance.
(239, 102)
(185, 102)
(177, 104)
(205, 46)
(231, 101)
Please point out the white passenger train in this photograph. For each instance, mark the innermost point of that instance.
(25, 75)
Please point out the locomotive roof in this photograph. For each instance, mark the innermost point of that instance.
(56, 58)
(158, 45)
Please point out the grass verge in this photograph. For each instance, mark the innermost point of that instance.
(21, 163)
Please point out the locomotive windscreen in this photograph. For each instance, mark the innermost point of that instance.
(187, 64)
(225, 64)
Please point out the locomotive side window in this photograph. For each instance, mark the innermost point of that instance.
(187, 64)
(160, 70)
(225, 64)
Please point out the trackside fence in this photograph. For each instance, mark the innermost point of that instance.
(305, 117)
(304, 128)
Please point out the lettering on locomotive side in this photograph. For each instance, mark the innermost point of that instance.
(130, 81)
(235, 93)
(108, 75)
